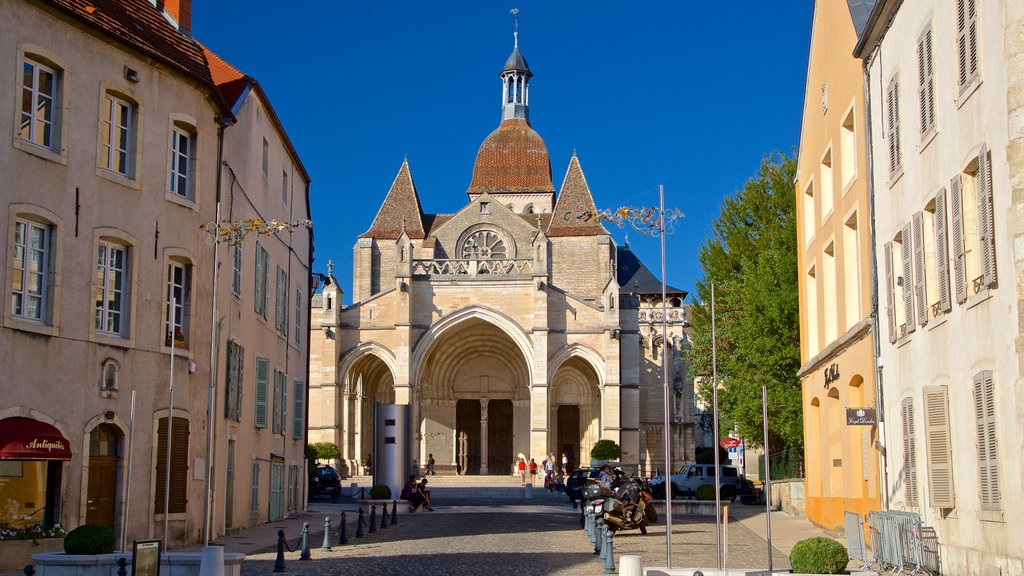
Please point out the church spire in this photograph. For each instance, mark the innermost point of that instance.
(515, 81)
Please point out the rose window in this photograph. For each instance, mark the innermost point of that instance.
(484, 245)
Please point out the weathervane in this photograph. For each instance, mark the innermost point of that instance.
(515, 19)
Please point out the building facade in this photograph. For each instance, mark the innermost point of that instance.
(841, 460)
(116, 125)
(514, 326)
(941, 88)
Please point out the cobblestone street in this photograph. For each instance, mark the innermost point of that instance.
(508, 539)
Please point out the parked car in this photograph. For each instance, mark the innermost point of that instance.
(325, 483)
(688, 478)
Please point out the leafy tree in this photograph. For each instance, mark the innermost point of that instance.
(323, 451)
(606, 450)
(751, 258)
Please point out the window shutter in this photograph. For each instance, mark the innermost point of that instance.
(284, 305)
(909, 453)
(961, 42)
(926, 80)
(231, 392)
(919, 275)
(299, 416)
(240, 379)
(257, 289)
(236, 272)
(179, 466)
(284, 403)
(908, 279)
(986, 219)
(942, 250)
(890, 308)
(972, 38)
(254, 494)
(959, 267)
(262, 376)
(276, 424)
(892, 102)
(939, 446)
(279, 277)
(930, 81)
(988, 442)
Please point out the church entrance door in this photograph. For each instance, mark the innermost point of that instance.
(499, 436)
(569, 433)
(467, 436)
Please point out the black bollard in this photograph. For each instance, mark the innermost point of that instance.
(29, 570)
(394, 511)
(582, 521)
(342, 539)
(373, 519)
(609, 548)
(279, 562)
(383, 516)
(122, 566)
(359, 524)
(304, 555)
(327, 534)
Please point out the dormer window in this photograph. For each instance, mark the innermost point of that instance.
(485, 207)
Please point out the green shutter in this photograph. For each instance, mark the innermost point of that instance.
(262, 381)
(300, 414)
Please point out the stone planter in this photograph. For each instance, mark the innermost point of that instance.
(364, 505)
(171, 564)
(15, 554)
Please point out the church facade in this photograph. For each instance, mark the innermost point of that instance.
(514, 326)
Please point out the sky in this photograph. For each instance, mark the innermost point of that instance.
(689, 95)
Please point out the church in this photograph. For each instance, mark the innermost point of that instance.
(514, 326)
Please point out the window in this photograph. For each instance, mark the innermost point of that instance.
(920, 277)
(236, 270)
(929, 299)
(851, 271)
(262, 271)
(266, 159)
(811, 283)
(262, 381)
(293, 471)
(826, 185)
(182, 161)
(117, 135)
(828, 284)
(941, 256)
(30, 274)
(236, 373)
(111, 288)
(966, 42)
(484, 245)
(848, 150)
(899, 285)
(988, 441)
(254, 492)
(909, 453)
(281, 302)
(40, 105)
(298, 317)
(179, 467)
(938, 447)
(179, 294)
(926, 82)
(277, 425)
(808, 210)
(284, 188)
(485, 207)
(299, 415)
(974, 262)
(892, 107)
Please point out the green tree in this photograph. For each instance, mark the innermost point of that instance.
(323, 451)
(605, 450)
(751, 258)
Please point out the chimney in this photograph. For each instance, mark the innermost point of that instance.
(181, 11)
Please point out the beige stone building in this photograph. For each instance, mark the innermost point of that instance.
(841, 460)
(514, 326)
(122, 135)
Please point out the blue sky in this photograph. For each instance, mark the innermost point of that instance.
(686, 94)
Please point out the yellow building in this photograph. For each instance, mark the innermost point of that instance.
(833, 207)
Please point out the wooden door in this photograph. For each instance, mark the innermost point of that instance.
(569, 433)
(467, 433)
(102, 491)
(499, 436)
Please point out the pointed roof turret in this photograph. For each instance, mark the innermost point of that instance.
(400, 211)
(574, 204)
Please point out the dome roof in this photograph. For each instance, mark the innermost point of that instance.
(512, 159)
(516, 63)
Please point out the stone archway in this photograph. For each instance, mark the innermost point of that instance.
(575, 410)
(369, 380)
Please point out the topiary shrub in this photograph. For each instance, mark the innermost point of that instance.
(380, 492)
(606, 450)
(89, 539)
(819, 556)
(705, 492)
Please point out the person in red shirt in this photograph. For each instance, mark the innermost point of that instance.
(521, 468)
(533, 471)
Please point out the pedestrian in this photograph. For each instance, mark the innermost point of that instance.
(521, 468)
(430, 464)
(425, 493)
(411, 493)
(565, 465)
(533, 471)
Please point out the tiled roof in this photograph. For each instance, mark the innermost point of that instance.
(575, 213)
(512, 159)
(401, 208)
(431, 222)
(230, 81)
(632, 275)
(516, 62)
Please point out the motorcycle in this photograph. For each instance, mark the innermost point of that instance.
(625, 505)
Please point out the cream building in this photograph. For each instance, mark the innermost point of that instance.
(123, 134)
(841, 461)
(515, 325)
(942, 79)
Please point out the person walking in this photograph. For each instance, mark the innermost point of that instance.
(533, 472)
(521, 468)
(565, 465)
(430, 465)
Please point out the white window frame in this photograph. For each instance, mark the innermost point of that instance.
(31, 120)
(110, 146)
(180, 181)
(112, 319)
(22, 291)
(181, 288)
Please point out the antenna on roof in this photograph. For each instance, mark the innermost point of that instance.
(515, 18)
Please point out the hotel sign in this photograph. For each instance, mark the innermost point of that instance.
(861, 417)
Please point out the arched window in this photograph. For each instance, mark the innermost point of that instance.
(483, 245)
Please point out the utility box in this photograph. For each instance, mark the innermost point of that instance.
(392, 459)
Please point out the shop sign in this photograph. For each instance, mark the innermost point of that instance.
(861, 417)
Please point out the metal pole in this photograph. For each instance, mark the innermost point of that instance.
(170, 415)
(714, 415)
(214, 337)
(767, 475)
(128, 477)
(667, 400)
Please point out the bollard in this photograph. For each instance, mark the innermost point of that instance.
(590, 528)
(122, 566)
(305, 542)
(327, 534)
(359, 524)
(528, 491)
(383, 516)
(602, 539)
(582, 522)
(211, 562)
(279, 561)
(373, 519)
(609, 548)
(630, 565)
(394, 511)
(598, 535)
(29, 570)
(342, 539)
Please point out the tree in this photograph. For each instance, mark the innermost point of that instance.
(323, 451)
(606, 450)
(751, 258)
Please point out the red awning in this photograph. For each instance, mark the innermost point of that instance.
(28, 439)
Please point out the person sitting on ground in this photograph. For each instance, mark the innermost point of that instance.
(411, 493)
(425, 493)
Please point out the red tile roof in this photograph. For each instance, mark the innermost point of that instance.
(512, 159)
(574, 213)
(400, 210)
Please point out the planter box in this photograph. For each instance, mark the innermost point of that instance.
(171, 564)
(364, 505)
(15, 554)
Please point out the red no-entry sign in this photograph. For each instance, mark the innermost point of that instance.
(730, 442)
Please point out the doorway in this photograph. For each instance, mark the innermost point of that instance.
(569, 433)
(104, 447)
(499, 436)
(467, 436)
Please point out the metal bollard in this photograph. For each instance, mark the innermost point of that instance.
(327, 534)
(598, 535)
(304, 555)
(359, 524)
(383, 516)
(342, 539)
(29, 570)
(373, 519)
(394, 511)
(582, 521)
(590, 528)
(122, 566)
(279, 561)
(609, 556)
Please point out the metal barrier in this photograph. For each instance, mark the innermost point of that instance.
(898, 542)
(855, 544)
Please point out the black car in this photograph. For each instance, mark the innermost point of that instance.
(325, 483)
(574, 484)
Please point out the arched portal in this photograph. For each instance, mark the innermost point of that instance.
(575, 410)
(474, 399)
(368, 381)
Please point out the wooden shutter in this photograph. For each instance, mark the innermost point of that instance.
(938, 448)
(909, 453)
(959, 264)
(920, 293)
(298, 418)
(962, 50)
(986, 219)
(279, 278)
(988, 442)
(254, 493)
(284, 403)
(890, 307)
(262, 377)
(972, 38)
(276, 424)
(893, 114)
(908, 279)
(942, 250)
(257, 288)
(926, 80)
(284, 305)
(179, 466)
(231, 385)
(236, 271)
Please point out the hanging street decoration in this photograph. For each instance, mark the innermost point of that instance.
(233, 232)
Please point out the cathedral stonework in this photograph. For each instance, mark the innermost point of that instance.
(514, 326)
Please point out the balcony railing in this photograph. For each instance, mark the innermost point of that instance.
(654, 314)
(507, 267)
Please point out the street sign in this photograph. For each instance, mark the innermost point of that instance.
(730, 442)
(861, 417)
